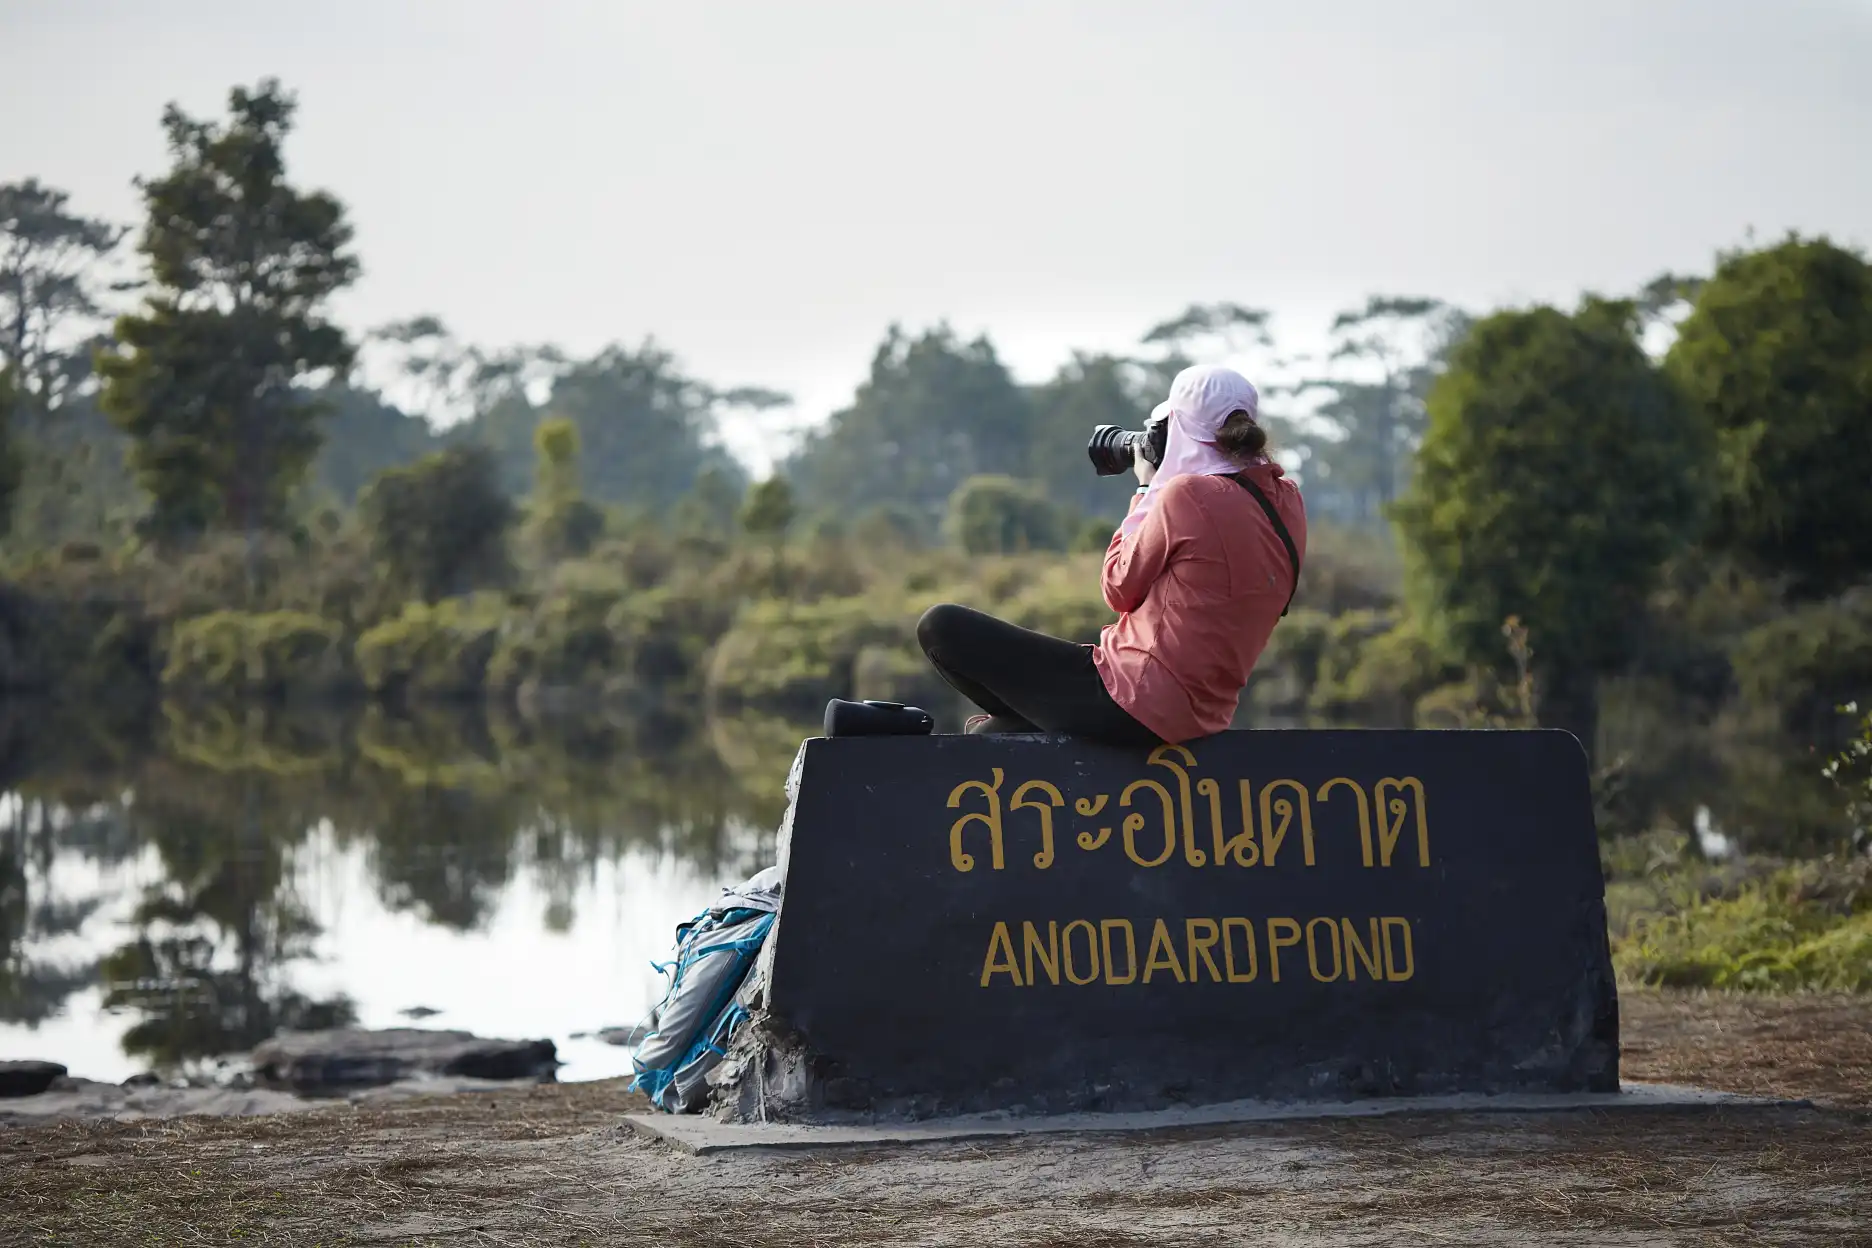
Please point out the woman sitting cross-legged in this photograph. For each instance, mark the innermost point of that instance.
(1200, 571)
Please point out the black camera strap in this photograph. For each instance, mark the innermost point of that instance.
(1280, 530)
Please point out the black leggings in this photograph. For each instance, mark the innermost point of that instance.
(1028, 681)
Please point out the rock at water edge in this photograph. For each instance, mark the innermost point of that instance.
(28, 1078)
(312, 1061)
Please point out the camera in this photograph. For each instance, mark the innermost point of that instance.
(1113, 450)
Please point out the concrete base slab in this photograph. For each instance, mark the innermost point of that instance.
(702, 1135)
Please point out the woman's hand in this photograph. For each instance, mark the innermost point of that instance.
(1144, 468)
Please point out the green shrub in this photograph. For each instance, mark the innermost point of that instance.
(1283, 679)
(1093, 535)
(438, 527)
(1348, 570)
(791, 656)
(664, 636)
(82, 646)
(1062, 599)
(593, 634)
(899, 673)
(643, 556)
(1802, 665)
(1851, 770)
(1801, 928)
(993, 515)
(1373, 668)
(564, 640)
(433, 651)
(890, 527)
(269, 654)
(564, 528)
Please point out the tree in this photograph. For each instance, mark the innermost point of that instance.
(1777, 356)
(934, 412)
(710, 508)
(364, 434)
(556, 446)
(1558, 472)
(1394, 347)
(205, 379)
(766, 516)
(440, 525)
(215, 933)
(992, 515)
(1227, 329)
(768, 512)
(1090, 390)
(446, 380)
(647, 429)
(49, 287)
(563, 523)
(50, 295)
(9, 453)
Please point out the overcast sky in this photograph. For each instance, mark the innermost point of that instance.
(766, 186)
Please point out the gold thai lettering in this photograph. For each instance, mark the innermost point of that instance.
(1089, 808)
(1240, 848)
(1363, 808)
(1020, 801)
(1284, 808)
(1271, 816)
(961, 860)
(1134, 822)
(1160, 757)
(1391, 814)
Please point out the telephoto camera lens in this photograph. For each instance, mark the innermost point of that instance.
(1113, 450)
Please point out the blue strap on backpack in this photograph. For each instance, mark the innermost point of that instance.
(690, 1028)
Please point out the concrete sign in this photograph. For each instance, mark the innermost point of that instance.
(981, 923)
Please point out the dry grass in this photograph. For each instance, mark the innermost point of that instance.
(1817, 1047)
(551, 1166)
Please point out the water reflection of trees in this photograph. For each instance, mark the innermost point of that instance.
(206, 972)
(445, 809)
(34, 987)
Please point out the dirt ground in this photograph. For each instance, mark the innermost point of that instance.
(553, 1165)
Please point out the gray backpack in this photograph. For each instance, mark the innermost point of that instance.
(689, 1030)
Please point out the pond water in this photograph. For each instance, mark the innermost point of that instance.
(173, 892)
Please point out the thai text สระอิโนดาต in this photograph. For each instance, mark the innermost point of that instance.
(1382, 813)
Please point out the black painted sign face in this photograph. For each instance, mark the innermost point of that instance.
(985, 922)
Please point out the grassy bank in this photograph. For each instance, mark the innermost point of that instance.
(1745, 924)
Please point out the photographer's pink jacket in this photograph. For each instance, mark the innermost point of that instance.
(1198, 587)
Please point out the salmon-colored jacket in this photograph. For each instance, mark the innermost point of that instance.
(1198, 587)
